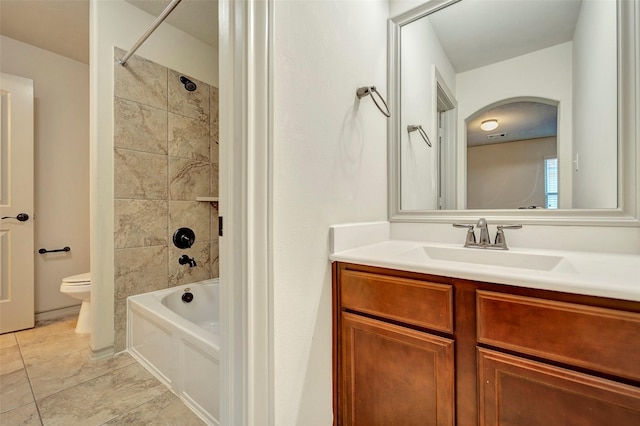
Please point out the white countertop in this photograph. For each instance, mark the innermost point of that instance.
(596, 274)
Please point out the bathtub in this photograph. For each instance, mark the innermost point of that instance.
(178, 342)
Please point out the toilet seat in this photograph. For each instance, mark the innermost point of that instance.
(82, 291)
(80, 279)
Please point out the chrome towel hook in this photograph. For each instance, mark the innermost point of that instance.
(418, 127)
(371, 90)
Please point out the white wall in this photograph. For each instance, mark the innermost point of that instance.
(396, 7)
(421, 52)
(595, 106)
(117, 23)
(545, 73)
(61, 91)
(329, 165)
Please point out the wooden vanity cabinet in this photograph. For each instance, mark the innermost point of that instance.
(418, 349)
(389, 369)
(555, 362)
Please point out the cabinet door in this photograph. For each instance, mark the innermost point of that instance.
(519, 392)
(393, 375)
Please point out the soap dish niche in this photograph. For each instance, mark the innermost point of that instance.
(212, 200)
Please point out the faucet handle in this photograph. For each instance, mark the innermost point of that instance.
(509, 227)
(500, 240)
(463, 225)
(471, 236)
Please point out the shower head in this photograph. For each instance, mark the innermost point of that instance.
(188, 84)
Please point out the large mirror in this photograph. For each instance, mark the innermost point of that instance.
(519, 102)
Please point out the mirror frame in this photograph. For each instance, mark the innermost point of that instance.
(628, 211)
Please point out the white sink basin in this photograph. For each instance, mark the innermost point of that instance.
(503, 258)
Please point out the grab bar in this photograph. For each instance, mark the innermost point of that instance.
(418, 127)
(43, 251)
(371, 90)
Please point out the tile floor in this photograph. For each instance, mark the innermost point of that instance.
(46, 378)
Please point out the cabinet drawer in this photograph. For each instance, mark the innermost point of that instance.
(599, 339)
(420, 303)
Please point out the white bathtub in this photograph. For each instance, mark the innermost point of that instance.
(179, 342)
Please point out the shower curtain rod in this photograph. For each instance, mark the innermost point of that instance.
(151, 29)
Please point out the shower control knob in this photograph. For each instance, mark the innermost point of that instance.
(184, 238)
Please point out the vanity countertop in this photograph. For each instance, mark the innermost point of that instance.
(595, 274)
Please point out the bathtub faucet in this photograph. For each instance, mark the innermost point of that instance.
(187, 260)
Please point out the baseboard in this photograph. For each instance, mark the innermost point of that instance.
(98, 354)
(58, 313)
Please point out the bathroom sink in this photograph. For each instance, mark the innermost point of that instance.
(503, 258)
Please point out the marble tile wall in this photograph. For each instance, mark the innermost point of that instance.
(165, 155)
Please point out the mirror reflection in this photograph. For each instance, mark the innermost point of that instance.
(516, 138)
(520, 101)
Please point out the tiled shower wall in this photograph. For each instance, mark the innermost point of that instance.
(165, 155)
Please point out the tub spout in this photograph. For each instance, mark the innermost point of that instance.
(184, 260)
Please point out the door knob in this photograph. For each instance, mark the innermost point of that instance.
(22, 217)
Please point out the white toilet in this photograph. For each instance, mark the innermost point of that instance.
(79, 287)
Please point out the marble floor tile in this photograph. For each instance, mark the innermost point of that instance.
(99, 400)
(10, 360)
(166, 409)
(60, 373)
(8, 340)
(49, 346)
(14, 391)
(26, 415)
(47, 328)
(70, 389)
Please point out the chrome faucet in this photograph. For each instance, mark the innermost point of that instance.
(484, 242)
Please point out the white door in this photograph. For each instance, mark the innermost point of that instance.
(16, 204)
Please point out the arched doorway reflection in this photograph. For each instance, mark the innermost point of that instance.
(512, 155)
